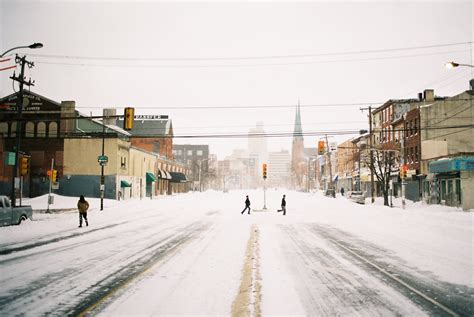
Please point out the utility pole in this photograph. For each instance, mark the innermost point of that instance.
(19, 106)
(330, 165)
(372, 189)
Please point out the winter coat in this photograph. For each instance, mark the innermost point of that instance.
(283, 202)
(247, 202)
(82, 206)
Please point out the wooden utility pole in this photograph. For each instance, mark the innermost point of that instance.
(372, 189)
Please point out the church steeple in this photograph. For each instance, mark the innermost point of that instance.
(298, 130)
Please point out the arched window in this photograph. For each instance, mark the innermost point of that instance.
(3, 129)
(13, 130)
(53, 130)
(30, 130)
(41, 130)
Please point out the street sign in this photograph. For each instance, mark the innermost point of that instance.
(102, 158)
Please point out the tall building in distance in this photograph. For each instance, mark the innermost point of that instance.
(279, 168)
(297, 151)
(257, 145)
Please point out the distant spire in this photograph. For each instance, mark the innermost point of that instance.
(298, 130)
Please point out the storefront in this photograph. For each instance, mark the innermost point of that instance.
(450, 182)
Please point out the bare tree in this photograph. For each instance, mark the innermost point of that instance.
(385, 163)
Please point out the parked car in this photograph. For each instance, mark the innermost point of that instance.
(331, 192)
(13, 215)
(357, 196)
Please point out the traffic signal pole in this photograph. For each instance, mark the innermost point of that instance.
(50, 184)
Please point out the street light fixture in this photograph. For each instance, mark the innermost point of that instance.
(32, 46)
(454, 65)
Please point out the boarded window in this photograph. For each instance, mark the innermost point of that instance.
(37, 158)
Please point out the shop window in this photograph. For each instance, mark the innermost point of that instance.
(3, 129)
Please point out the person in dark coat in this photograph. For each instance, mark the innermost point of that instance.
(342, 191)
(82, 205)
(247, 205)
(283, 206)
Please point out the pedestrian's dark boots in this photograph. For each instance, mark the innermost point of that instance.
(87, 224)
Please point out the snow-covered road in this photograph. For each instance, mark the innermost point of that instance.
(195, 254)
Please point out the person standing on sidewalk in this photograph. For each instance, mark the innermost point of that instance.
(247, 205)
(82, 205)
(283, 206)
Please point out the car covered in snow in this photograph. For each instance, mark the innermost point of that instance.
(357, 196)
(13, 215)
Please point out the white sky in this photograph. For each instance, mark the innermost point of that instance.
(147, 31)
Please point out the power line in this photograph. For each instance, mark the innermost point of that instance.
(249, 57)
(148, 66)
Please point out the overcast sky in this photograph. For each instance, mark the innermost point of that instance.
(160, 57)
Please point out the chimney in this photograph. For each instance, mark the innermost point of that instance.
(420, 96)
(428, 95)
(471, 83)
(110, 112)
(68, 110)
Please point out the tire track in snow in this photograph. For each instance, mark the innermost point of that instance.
(67, 282)
(96, 296)
(248, 300)
(329, 285)
(420, 287)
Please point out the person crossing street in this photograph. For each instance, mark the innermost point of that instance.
(247, 205)
(283, 206)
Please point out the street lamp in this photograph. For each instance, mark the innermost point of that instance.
(32, 46)
(454, 65)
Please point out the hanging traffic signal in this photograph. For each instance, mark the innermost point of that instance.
(129, 116)
(24, 165)
(55, 176)
(264, 171)
(320, 147)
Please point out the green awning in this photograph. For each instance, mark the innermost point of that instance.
(150, 177)
(125, 184)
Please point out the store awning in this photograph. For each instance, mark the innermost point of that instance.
(125, 184)
(150, 177)
(168, 175)
(178, 177)
(163, 174)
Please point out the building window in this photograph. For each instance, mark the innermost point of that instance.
(123, 162)
(30, 130)
(179, 152)
(189, 152)
(13, 129)
(415, 127)
(4, 129)
(199, 152)
(41, 130)
(53, 130)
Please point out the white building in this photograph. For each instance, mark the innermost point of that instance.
(279, 168)
(257, 145)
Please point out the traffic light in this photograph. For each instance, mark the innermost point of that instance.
(264, 171)
(320, 147)
(404, 171)
(55, 176)
(48, 173)
(129, 116)
(24, 165)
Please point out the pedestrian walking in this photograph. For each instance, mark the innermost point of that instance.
(283, 206)
(82, 205)
(342, 191)
(247, 205)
